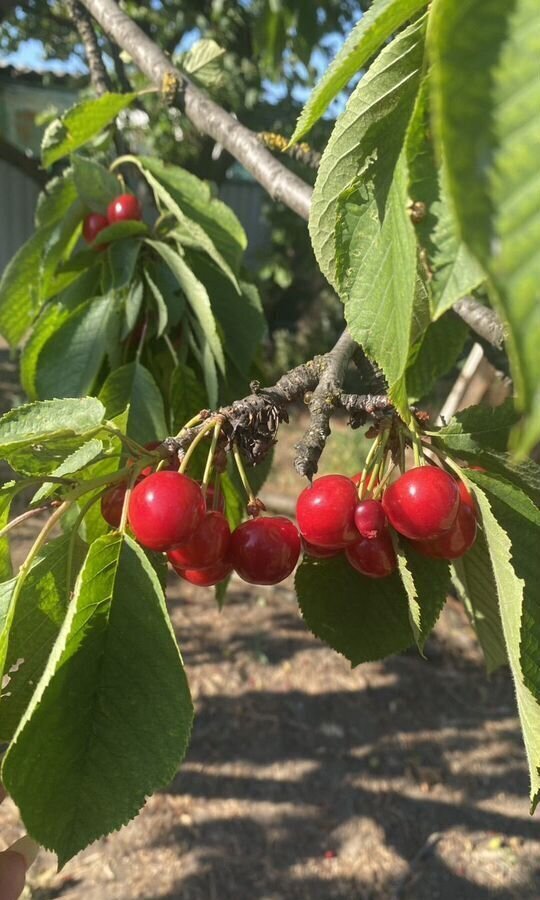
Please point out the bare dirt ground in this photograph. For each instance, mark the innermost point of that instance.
(306, 780)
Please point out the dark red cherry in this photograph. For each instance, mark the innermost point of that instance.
(374, 557)
(370, 518)
(423, 503)
(112, 504)
(206, 577)
(325, 511)
(123, 208)
(93, 223)
(207, 545)
(211, 502)
(465, 495)
(318, 552)
(165, 509)
(455, 542)
(265, 550)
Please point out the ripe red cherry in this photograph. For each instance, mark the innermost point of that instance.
(165, 509)
(93, 223)
(458, 540)
(318, 552)
(423, 503)
(112, 503)
(207, 545)
(374, 557)
(211, 501)
(325, 512)
(206, 577)
(465, 495)
(369, 518)
(265, 550)
(123, 208)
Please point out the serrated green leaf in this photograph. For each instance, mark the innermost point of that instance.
(132, 307)
(19, 286)
(121, 258)
(487, 101)
(196, 200)
(426, 582)
(438, 352)
(70, 359)
(79, 459)
(512, 527)
(169, 289)
(235, 505)
(162, 312)
(187, 396)
(133, 387)
(378, 23)
(34, 620)
(119, 230)
(478, 428)
(473, 575)
(362, 618)
(114, 690)
(205, 54)
(8, 491)
(56, 198)
(39, 422)
(197, 297)
(80, 124)
(96, 186)
(367, 141)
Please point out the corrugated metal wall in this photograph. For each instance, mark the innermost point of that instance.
(246, 198)
(18, 200)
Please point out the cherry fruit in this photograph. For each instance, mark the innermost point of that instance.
(165, 509)
(206, 577)
(93, 223)
(325, 512)
(112, 504)
(423, 503)
(123, 209)
(318, 552)
(207, 545)
(265, 550)
(370, 518)
(374, 557)
(459, 539)
(211, 502)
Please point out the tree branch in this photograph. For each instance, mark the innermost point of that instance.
(83, 24)
(481, 319)
(26, 164)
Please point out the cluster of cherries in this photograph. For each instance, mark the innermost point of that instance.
(171, 513)
(124, 208)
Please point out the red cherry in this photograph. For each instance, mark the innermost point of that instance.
(374, 557)
(458, 540)
(318, 552)
(112, 504)
(165, 509)
(207, 545)
(423, 503)
(206, 577)
(369, 518)
(211, 501)
(465, 496)
(265, 550)
(93, 223)
(123, 208)
(325, 511)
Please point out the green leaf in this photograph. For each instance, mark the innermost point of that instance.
(32, 625)
(19, 286)
(132, 307)
(8, 491)
(114, 691)
(382, 19)
(36, 423)
(119, 230)
(55, 200)
(162, 312)
(133, 386)
(187, 396)
(70, 359)
(96, 186)
(79, 459)
(187, 230)
(121, 259)
(362, 618)
(196, 295)
(204, 60)
(366, 144)
(487, 100)
(478, 428)
(168, 287)
(512, 527)
(80, 124)
(195, 199)
(426, 583)
(438, 352)
(235, 505)
(473, 575)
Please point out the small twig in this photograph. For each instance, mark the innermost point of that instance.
(22, 518)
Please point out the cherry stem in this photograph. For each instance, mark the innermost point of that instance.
(448, 462)
(127, 498)
(373, 450)
(383, 482)
(210, 460)
(142, 339)
(22, 518)
(194, 421)
(417, 449)
(170, 348)
(207, 427)
(243, 477)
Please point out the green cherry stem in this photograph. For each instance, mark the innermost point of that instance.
(206, 428)
(211, 453)
(242, 473)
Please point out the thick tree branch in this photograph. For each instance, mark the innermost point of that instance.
(83, 23)
(481, 319)
(26, 164)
